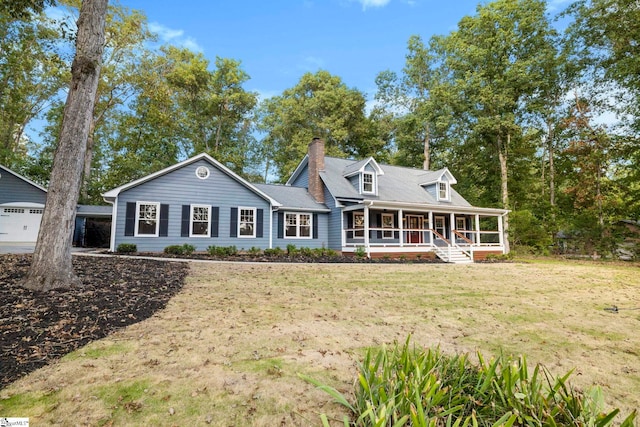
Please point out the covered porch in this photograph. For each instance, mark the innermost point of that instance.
(458, 234)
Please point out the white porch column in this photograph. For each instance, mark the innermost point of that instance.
(401, 226)
(478, 229)
(452, 226)
(366, 230)
(430, 227)
(500, 232)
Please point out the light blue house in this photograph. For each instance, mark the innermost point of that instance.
(341, 204)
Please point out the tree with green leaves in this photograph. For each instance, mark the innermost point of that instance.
(493, 62)
(51, 266)
(31, 74)
(320, 105)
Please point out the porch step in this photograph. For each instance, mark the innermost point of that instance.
(455, 256)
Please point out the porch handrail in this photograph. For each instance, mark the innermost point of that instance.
(462, 236)
(440, 236)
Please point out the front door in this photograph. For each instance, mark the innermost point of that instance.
(414, 225)
(439, 225)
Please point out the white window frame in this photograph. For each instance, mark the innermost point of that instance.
(298, 225)
(192, 221)
(138, 219)
(240, 222)
(387, 232)
(364, 184)
(358, 232)
(464, 223)
(443, 187)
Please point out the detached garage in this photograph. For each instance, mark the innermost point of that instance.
(21, 206)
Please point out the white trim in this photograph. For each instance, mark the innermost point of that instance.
(137, 219)
(208, 207)
(447, 191)
(382, 217)
(442, 231)
(205, 169)
(255, 211)
(298, 225)
(111, 194)
(22, 205)
(27, 180)
(373, 182)
(114, 219)
(353, 219)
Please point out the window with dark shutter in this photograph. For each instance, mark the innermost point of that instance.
(315, 226)
(186, 217)
(164, 221)
(280, 225)
(233, 224)
(215, 219)
(130, 219)
(259, 222)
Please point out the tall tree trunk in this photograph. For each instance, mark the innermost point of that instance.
(427, 148)
(51, 266)
(504, 187)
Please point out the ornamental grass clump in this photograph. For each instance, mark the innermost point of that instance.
(405, 386)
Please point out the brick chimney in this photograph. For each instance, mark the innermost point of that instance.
(316, 164)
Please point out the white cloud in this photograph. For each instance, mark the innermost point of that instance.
(373, 3)
(174, 37)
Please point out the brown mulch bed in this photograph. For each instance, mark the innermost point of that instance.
(37, 328)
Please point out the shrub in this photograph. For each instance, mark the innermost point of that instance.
(222, 250)
(188, 249)
(406, 386)
(308, 252)
(360, 252)
(127, 248)
(254, 251)
(174, 250)
(185, 249)
(275, 252)
(291, 249)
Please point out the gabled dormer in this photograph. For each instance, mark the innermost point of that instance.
(363, 175)
(439, 183)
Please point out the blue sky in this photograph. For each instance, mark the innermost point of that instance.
(278, 41)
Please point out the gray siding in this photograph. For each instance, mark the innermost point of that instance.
(335, 223)
(320, 242)
(14, 189)
(303, 179)
(182, 187)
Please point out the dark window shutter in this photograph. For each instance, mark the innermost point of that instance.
(130, 219)
(233, 226)
(315, 226)
(280, 225)
(186, 213)
(259, 222)
(164, 221)
(215, 219)
(379, 225)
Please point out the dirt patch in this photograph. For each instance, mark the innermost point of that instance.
(37, 328)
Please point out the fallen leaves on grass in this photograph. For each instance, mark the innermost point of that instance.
(39, 327)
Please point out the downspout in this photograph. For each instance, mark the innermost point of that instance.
(271, 225)
(114, 218)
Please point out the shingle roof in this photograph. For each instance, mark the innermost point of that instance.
(398, 184)
(291, 197)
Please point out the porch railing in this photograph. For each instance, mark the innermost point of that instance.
(414, 237)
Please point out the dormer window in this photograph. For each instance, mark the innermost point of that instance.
(443, 191)
(368, 182)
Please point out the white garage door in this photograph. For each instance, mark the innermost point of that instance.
(19, 224)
